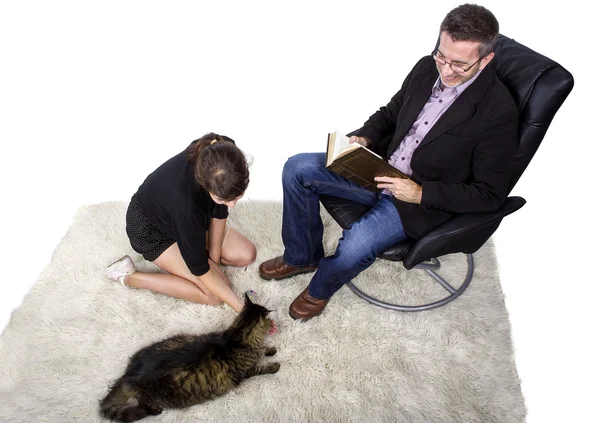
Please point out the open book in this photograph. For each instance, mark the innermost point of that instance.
(357, 163)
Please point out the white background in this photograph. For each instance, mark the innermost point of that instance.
(94, 96)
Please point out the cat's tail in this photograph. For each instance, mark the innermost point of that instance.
(123, 403)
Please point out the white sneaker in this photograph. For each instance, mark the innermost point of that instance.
(119, 269)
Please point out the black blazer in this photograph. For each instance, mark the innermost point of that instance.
(465, 161)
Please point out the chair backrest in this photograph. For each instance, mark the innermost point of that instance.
(539, 86)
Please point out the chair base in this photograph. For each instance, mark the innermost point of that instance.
(429, 267)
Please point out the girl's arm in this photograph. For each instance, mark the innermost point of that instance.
(216, 235)
(220, 286)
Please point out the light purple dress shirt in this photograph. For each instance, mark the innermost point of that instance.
(440, 100)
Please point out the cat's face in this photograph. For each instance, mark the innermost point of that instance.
(257, 313)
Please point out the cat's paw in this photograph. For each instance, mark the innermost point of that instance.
(155, 410)
(269, 351)
(273, 367)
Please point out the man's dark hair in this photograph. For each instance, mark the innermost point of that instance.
(471, 22)
(220, 167)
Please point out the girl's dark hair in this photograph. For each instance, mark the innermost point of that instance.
(471, 22)
(220, 167)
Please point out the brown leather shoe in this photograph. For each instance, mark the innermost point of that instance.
(305, 307)
(277, 269)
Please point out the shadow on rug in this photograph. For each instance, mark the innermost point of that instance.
(75, 330)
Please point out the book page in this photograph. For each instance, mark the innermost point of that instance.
(339, 145)
(336, 141)
(341, 142)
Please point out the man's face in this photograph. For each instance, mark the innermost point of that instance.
(461, 54)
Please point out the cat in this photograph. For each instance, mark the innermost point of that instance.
(185, 370)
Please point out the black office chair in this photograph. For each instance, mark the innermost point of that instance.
(539, 87)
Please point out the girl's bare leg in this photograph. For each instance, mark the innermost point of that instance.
(238, 250)
(179, 283)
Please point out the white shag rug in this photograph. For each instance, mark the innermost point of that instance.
(75, 330)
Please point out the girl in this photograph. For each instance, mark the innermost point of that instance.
(178, 220)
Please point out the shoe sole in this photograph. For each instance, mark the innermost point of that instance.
(289, 275)
(114, 266)
(303, 319)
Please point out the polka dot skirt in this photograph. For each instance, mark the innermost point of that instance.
(144, 236)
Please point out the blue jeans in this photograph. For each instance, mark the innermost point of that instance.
(304, 178)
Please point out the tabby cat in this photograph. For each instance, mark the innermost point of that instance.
(185, 370)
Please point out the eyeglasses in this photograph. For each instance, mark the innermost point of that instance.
(460, 69)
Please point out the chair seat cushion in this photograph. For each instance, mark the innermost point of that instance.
(398, 251)
(344, 212)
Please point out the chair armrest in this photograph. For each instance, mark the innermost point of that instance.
(464, 233)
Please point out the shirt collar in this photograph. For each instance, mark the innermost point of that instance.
(459, 88)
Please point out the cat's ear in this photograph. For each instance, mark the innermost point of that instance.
(248, 297)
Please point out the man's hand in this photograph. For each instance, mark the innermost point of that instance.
(401, 188)
(361, 140)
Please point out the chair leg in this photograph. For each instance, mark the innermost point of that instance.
(430, 268)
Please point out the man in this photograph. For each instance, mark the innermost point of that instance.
(452, 128)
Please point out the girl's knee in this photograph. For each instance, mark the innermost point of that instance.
(249, 256)
(246, 257)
